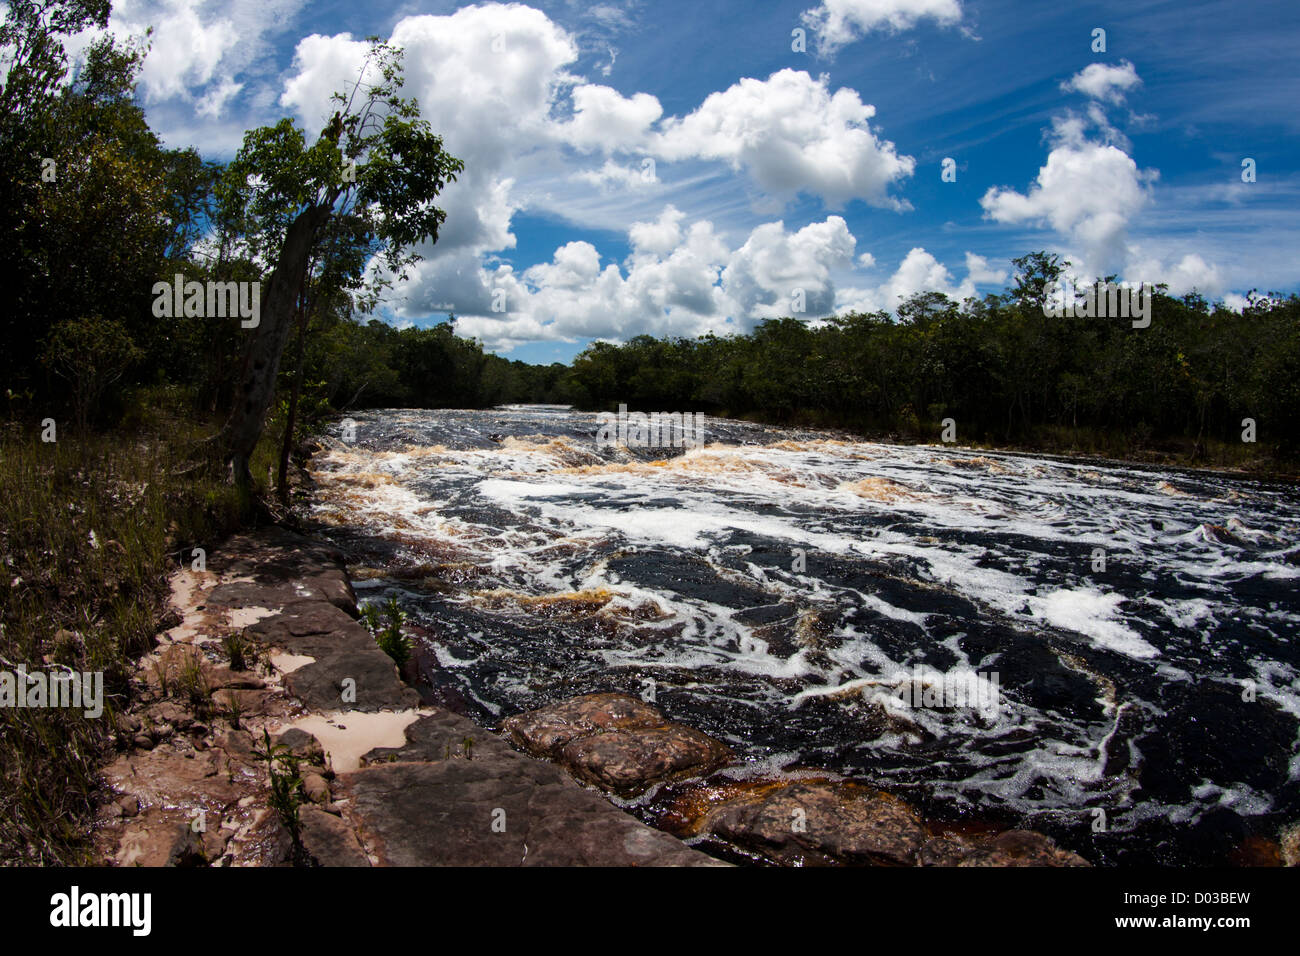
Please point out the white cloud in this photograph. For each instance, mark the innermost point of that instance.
(1092, 193)
(979, 270)
(919, 272)
(1088, 192)
(839, 22)
(213, 103)
(793, 136)
(605, 119)
(1101, 81)
(612, 175)
(1188, 274)
(677, 281)
(764, 275)
(197, 48)
(485, 78)
(659, 237)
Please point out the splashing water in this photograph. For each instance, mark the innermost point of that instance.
(1129, 634)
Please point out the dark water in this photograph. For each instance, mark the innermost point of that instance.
(774, 587)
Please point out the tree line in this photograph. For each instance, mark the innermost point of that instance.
(1199, 376)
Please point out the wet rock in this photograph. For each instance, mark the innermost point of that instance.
(616, 742)
(945, 850)
(129, 805)
(1289, 841)
(143, 742)
(1019, 848)
(328, 840)
(819, 823)
(630, 761)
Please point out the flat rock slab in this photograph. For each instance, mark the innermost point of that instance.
(616, 742)
(341, 650)
(442, 735)
(496, 810)
(330, 585)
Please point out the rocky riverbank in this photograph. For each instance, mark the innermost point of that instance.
(265, 647)
(264, 644)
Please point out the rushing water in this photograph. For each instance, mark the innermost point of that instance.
(1132, 632)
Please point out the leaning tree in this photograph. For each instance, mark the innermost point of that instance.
(371, 176)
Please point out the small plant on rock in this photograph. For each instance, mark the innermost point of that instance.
(240, 650)
(192, 684)
(282, 766)
(387, 629)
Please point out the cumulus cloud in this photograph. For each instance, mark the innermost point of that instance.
(662, 292)
(793, 136)
(1101, 81)
(1088, 192)
(494, 81)
(678, 280)
(485, 78)
(605, 119)
(1191, 273)
(197, 48)
(838, 22)
(919, 271)
(1091, 193)
(659, 237)
(774, 268)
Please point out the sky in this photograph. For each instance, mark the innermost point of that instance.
(678, 168)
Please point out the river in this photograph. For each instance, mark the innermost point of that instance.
(1126, 635)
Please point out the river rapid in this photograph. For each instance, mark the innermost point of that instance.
(1118, 643)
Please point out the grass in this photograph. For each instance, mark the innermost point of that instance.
(282, 768)
(386, 626)
(90, 527)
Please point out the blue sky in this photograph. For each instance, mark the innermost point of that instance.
(678, 167)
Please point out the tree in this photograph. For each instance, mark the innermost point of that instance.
(381, 178)
(83, 206)
(90, 354)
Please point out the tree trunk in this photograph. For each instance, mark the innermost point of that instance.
(283, 483)
(262, 356)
